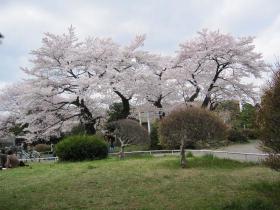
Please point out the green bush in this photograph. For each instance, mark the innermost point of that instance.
(76, 148)
(42, 148)
(250, 133)
(236, 135)
(154, 137)
(115, 112)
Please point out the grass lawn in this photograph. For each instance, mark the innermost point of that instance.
(141, 183)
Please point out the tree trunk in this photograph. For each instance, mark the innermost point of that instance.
(89, 128)
(88, 120)
(158, 104)
(207, 98)
(206, 101)
(183, 160)
(121, 153)
(213, 106)
(195, 95)
(126, 107)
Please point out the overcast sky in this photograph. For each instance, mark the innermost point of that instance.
(166, 24)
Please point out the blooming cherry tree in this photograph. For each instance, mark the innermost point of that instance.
(217, 64)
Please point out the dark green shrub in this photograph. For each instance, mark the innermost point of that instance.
(115, 112)
(236, 135)
(250, 133)
(42, 148)
(247, 117)
(154, 137)
(78, 147)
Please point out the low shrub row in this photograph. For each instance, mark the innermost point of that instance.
(81, 147)
(235, 135)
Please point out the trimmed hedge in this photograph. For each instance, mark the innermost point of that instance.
(77, 148)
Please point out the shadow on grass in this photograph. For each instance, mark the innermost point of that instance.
(207, 161)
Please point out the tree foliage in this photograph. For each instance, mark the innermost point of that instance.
(236, 135)
(187, 126)
(228, 110)
(128, 132)
(212, 65)
(248, 116)
(269, 119)
(116, 112)
(154, 135)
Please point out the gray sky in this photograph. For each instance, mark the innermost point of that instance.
(165, 22)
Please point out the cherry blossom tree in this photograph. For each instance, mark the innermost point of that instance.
(74, 82)
(61, 79)
(215, 65)
(157, 88)
(124, 77)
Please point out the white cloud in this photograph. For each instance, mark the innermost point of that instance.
(268, 41)
(165, 22)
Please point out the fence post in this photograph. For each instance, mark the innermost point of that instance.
(140, 120)
(149, 124)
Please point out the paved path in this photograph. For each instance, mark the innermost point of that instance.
(251, 147)
(232, 152)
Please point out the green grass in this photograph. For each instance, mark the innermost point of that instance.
(141, 183)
